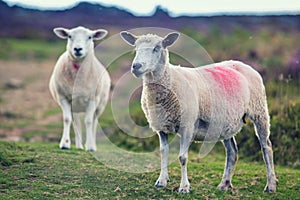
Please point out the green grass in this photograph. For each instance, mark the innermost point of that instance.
(28, 49)
(51, 112)
(42, 171)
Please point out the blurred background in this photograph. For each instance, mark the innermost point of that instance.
(265, 37)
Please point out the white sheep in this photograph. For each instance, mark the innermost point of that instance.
(80, 83)
(207, 103)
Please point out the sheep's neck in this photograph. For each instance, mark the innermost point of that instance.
(162, 76)
(160, 102)
(76, 63)
(76, 66)
(156, 83)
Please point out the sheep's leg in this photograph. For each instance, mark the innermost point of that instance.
(164, 151)
(185, 141)
(90, 144)
(78, 131)
(231, 158)
(262, 130)
(95, 125)
(65, 142)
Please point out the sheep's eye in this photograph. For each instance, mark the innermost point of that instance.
(69, 36)
(156, 48)
(90, 37)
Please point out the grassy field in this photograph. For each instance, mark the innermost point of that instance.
(43, 171)
(30, 49)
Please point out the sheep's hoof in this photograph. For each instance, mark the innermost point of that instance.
(91, 150)
(161, 183)
(79, 147)
(271, 188)
(184, 190)
(64, 148)
(65, 144)
(224, 186)
(90, 147)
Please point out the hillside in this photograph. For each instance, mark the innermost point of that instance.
(28, 23)
(42, 171)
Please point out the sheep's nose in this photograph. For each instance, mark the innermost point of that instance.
(136, 66)
(77, 50)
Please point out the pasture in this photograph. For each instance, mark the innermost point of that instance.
(43, 171)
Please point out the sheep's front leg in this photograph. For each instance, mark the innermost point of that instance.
(90, 144)
(78, 131)
(65, 142)
(231, 158)
(95, 123)
(185, 142)
(164, 151)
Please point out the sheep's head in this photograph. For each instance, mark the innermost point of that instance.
(151, 51)
(80, 40)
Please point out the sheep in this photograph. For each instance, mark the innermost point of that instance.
(80, 83)
(208, 103)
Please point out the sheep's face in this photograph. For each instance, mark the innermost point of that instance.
(80, 40)
(151, 52)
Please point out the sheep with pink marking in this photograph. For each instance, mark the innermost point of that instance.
(208, 103)
(80, 84)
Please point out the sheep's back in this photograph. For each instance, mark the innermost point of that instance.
(222, 94)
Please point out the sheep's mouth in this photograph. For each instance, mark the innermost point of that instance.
(137, 73)
(78, 55)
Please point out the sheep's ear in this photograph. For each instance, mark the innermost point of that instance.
(99, 34)
(61, 32)
(128, 37)
(170, 39)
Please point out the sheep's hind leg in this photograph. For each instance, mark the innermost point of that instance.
(185, 141)
(164, 151)
(262, 130)
(78, 131)
(231, 159)
(65, 142)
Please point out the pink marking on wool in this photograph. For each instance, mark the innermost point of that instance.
(76, 66)
(226, 77)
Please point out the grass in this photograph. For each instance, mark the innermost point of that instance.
(28, 49)
(42, 171)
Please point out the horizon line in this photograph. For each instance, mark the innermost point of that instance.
(155, 9)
